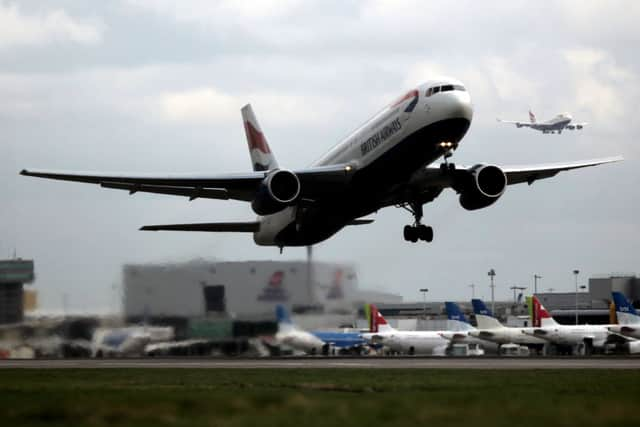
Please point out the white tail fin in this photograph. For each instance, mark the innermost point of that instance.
(532, 117)
(261, 156)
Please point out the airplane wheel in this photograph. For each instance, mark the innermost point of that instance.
(425, 233)
(410, 234)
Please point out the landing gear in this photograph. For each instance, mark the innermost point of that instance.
(417, 231)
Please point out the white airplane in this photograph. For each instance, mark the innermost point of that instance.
(128, 341)
(490, 329)
(628, 318)
(385, 162)
(556, 124)
(433, 343)
(590, 336)
(293, 337)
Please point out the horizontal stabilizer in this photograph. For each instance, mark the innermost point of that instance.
(221, 227)
(360, 221)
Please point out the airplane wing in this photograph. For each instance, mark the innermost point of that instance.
(232, 227)
(573, 126)
(314, 182)
(432, 180)
(616, 338)
(517, 123)
(529, 174)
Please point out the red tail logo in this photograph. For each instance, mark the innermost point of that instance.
(376, 319)
(256, 139)
(539, 312)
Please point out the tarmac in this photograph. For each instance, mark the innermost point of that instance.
(330, 363)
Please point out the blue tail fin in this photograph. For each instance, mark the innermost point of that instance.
(622, 304)
(480, 308)
(454, 312)
(282, 314)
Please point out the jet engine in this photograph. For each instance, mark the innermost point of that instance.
(481, 186)
(633, 347)
(278, 190)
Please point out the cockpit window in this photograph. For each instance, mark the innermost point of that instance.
(444, 88)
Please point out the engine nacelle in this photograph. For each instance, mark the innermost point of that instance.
(633, 347)
(481, 187)
(278, 190)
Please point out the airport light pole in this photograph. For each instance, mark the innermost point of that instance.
(535, 283)
(473, 290)
(424, 301)
(492, 274)
(575, 275)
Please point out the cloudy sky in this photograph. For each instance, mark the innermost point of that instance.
(156, 86)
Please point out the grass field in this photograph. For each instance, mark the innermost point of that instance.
(262, 397)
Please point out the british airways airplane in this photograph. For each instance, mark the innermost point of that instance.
(385, 162)
(557, 124)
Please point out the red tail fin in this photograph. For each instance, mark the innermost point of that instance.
(539, 312)
(376, 319)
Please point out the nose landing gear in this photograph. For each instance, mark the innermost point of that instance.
(417, 231)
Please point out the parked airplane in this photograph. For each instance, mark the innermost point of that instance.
(434, 343)
(128, 341)
(628, 318)
(293, 337)
(490, 329)
(557, 124)
(464, 330)
(385, 162)
(589, 336)
(343, 341)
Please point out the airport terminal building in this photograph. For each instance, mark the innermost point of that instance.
(244, 290)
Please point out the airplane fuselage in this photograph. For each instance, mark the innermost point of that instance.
(384, 153)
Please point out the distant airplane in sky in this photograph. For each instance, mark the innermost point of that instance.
(385, 162)
(557, 124)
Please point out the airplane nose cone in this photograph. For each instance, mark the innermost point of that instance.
(459, 106)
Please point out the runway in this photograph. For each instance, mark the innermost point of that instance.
(329, 363)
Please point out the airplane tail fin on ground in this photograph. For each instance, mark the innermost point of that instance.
(455, 314)
(542, 316)
(282, 315)
(378, 323)
(484, 316)
(532, 117)
(625, 311)
(261, 156)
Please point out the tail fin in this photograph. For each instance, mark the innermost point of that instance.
(627, 314)
(542, 316)
(455, 314)
(532, 315)
(532, 117)
(484, 316)
(261, 155)
(282, 315)
(378, 322)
